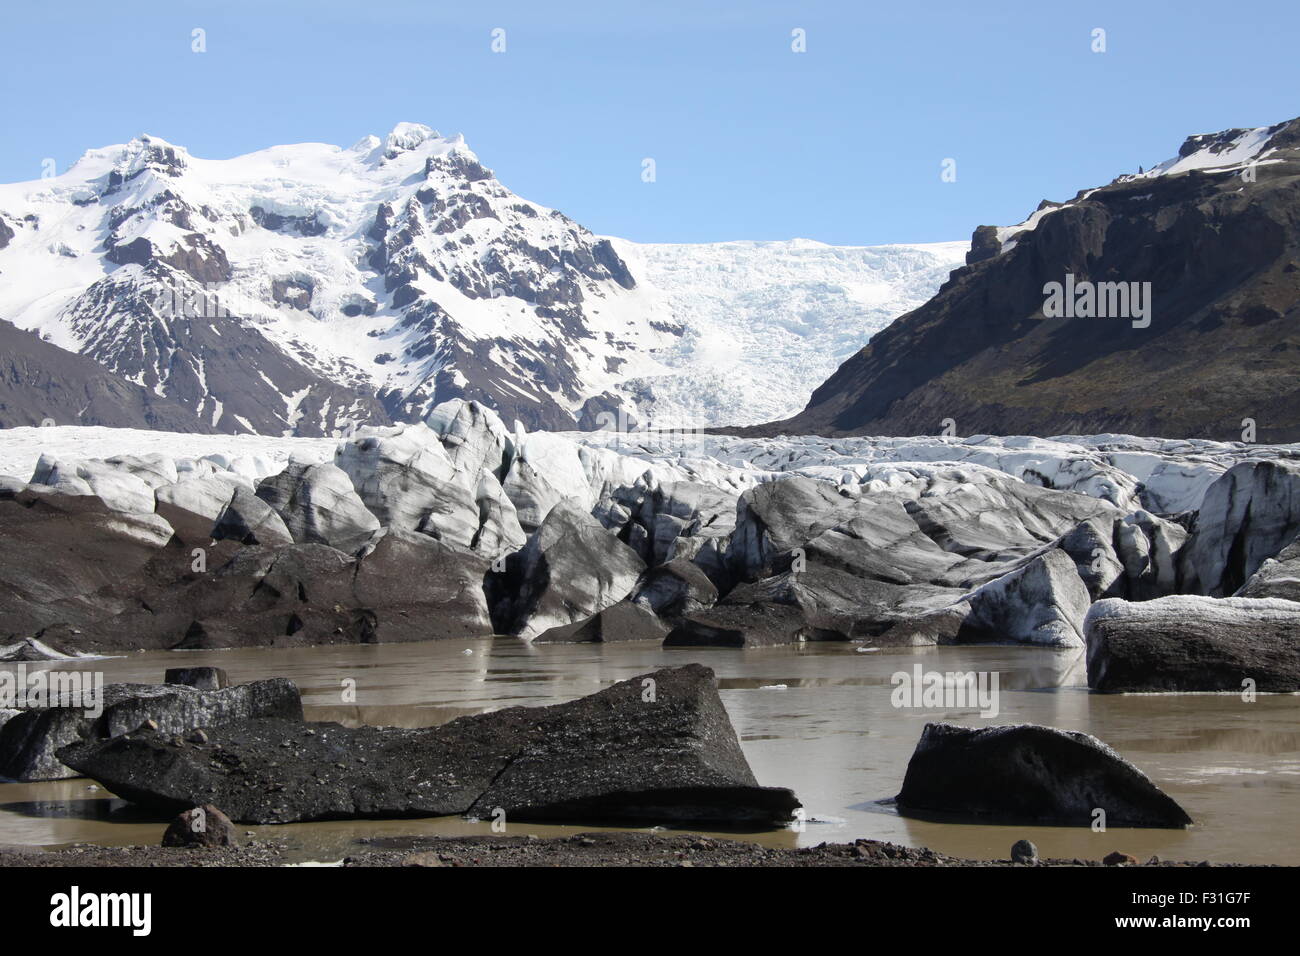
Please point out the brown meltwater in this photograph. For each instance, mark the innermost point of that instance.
(817, 718)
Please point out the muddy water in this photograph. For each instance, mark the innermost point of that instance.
(817, 718)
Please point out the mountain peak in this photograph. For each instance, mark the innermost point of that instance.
(405, 136)
(150, 152)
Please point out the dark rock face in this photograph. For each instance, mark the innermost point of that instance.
(654, 748)
(422, 589)
(1220, 254)
(302, 225)
(201, 827)
(1030, 774)
(984, 244)
(293, 292)
(1191, 643)
(40, 382)
(57, 552)
(624, 621)
(194, 254)
(287, 596)
(29, 741)
(742, 625)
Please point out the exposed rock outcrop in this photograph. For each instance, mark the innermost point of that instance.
(1030, 774)
(1194, 643)
(31, 739)
(657, 748)
(1213, 251)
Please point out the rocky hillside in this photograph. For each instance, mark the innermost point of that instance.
(40, 382)
(1209, 240)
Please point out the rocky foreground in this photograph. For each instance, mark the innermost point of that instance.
(657, 749)
(584, 849)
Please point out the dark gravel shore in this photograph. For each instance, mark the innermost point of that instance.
(590, 849)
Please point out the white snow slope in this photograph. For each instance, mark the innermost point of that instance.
(767, 322)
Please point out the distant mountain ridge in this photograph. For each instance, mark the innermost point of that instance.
(307, 289)
(1215, 232)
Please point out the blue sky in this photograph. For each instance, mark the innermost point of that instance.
(842, 143)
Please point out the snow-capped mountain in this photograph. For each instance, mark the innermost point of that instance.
(306, 289)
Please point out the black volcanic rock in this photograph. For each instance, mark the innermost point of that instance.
(203, 826)
(1222, 255)
(1190, 643)
(624, 621)
(984, 244)
(659, 747)
(30, 740)
(1030, 774)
